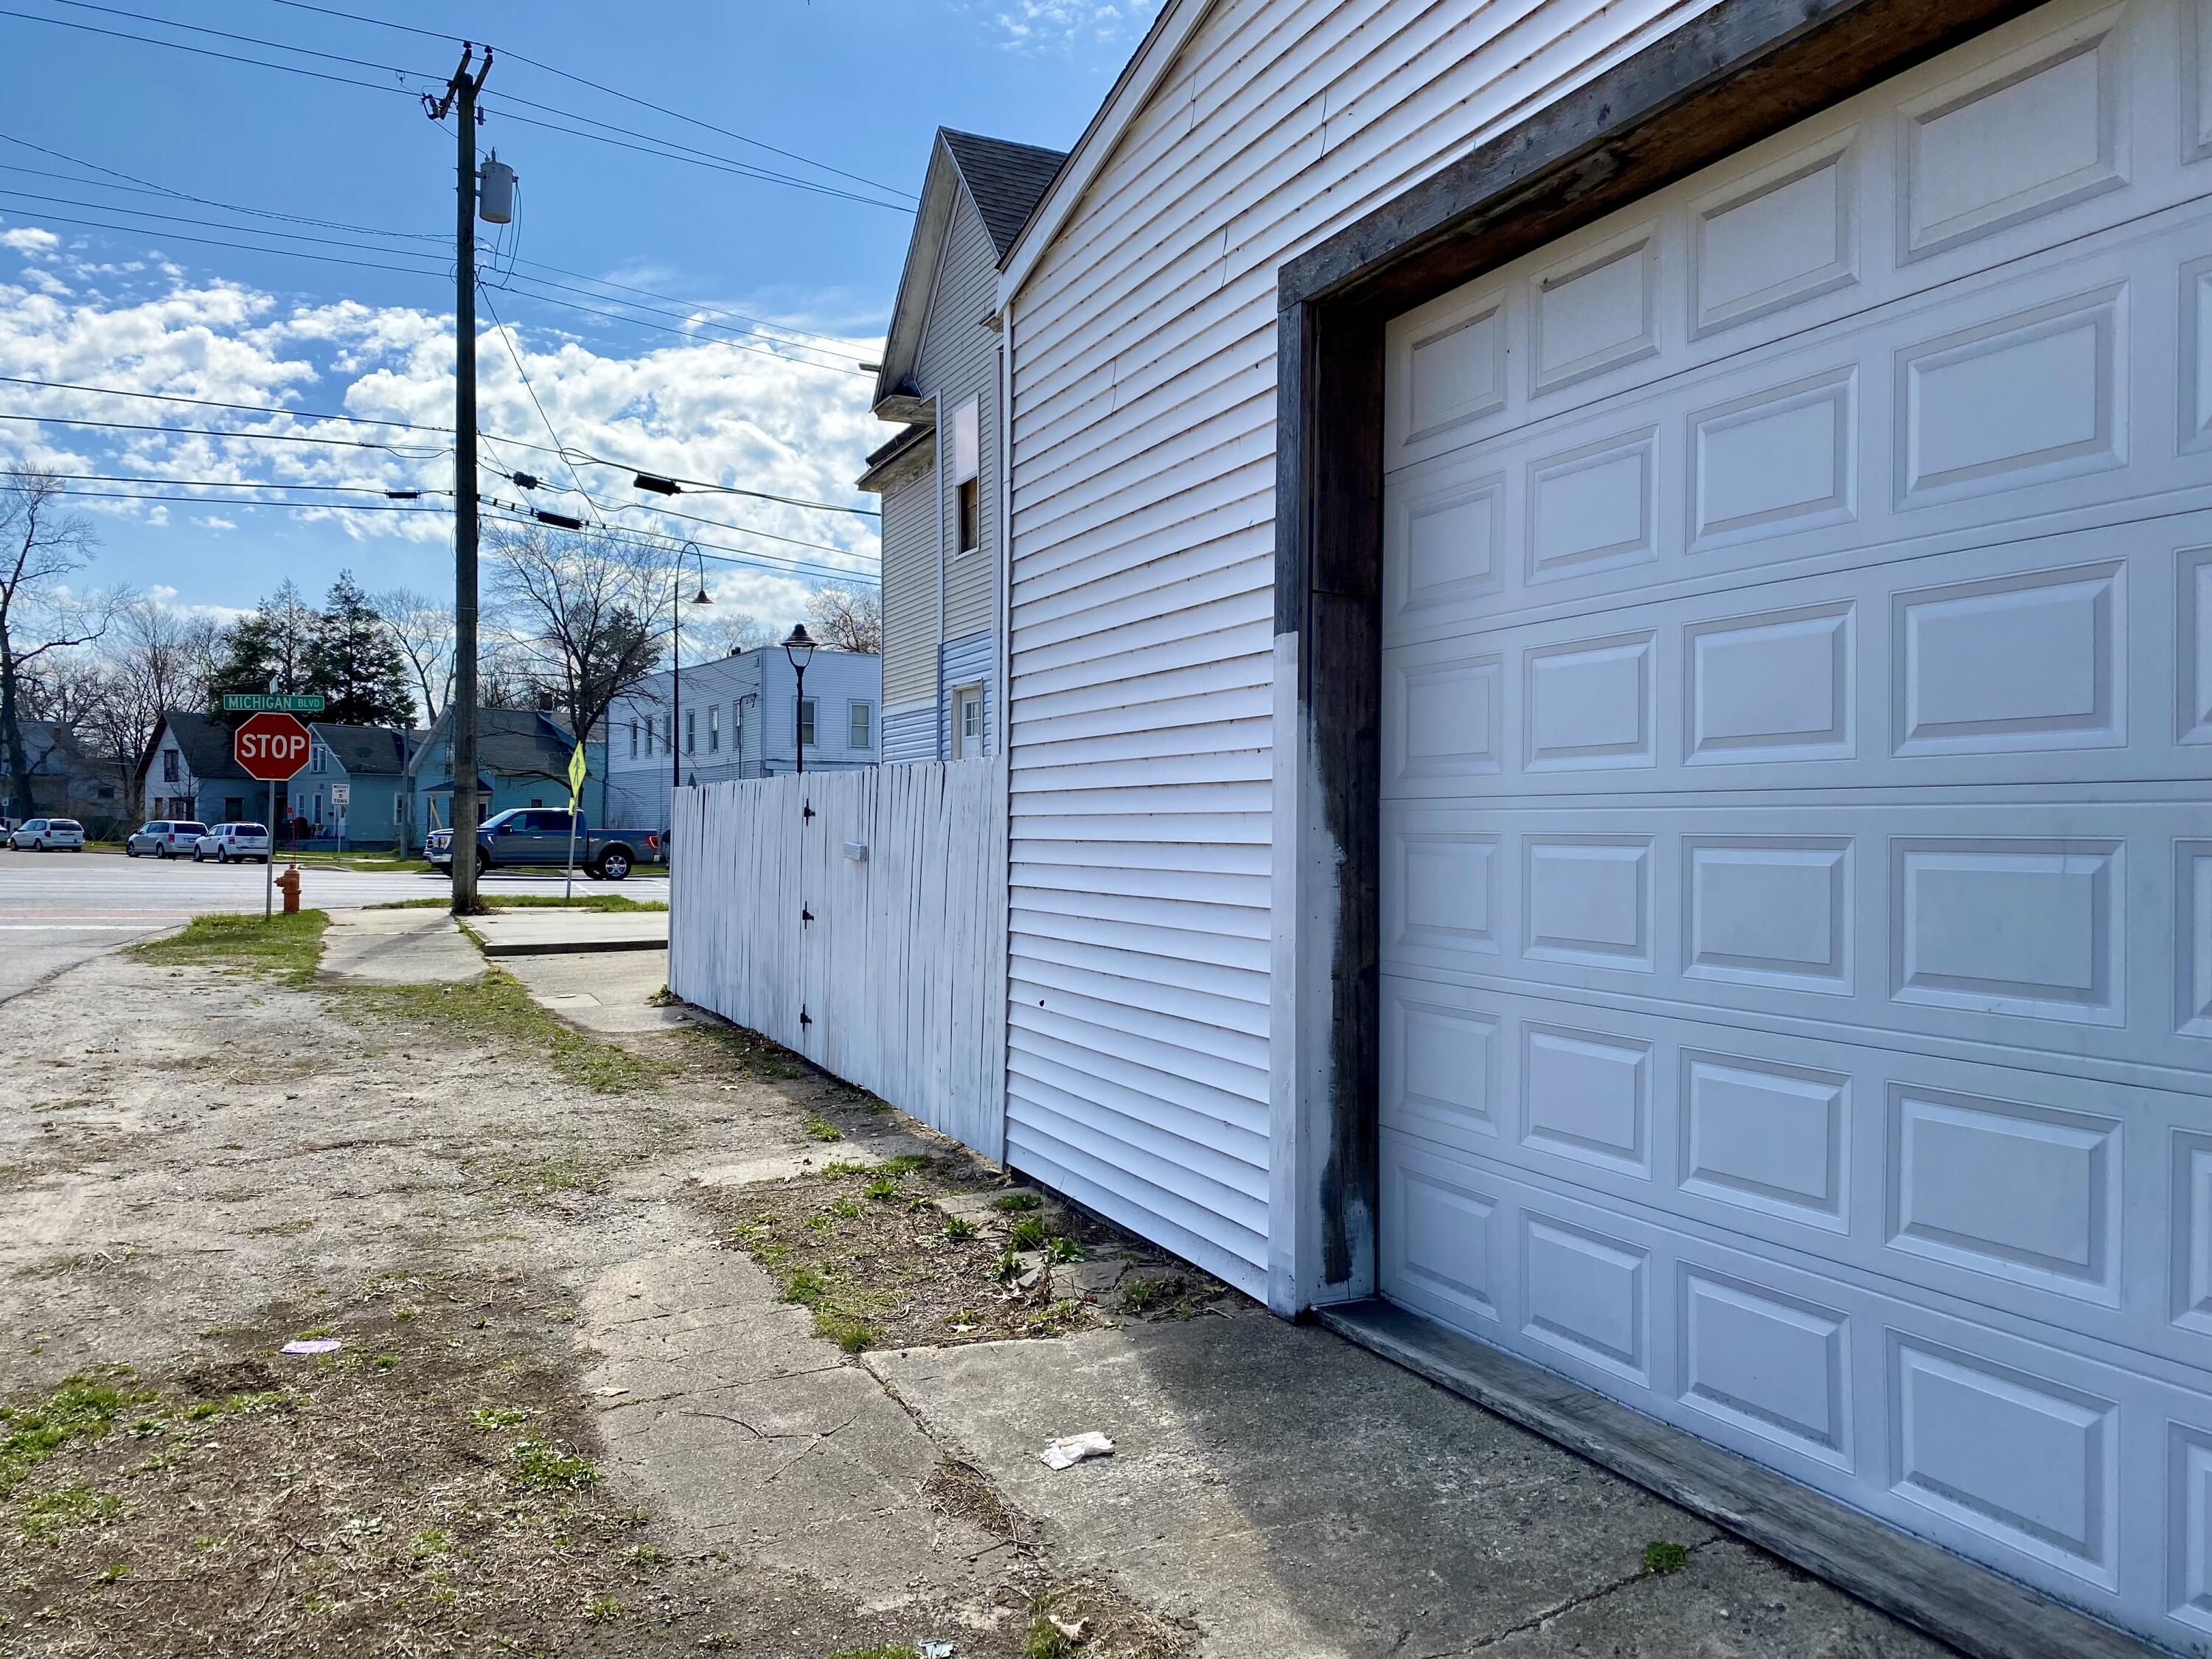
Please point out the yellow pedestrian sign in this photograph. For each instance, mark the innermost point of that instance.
(576, 777)
(576, 771)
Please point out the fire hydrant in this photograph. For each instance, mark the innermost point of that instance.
(289, 881)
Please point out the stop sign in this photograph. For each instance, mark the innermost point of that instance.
(272, 747)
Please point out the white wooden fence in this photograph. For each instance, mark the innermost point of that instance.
(859, 918)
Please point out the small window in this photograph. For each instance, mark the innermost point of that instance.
(806, 721)
(633, 739)
(714, 729)
(861, 726)
(317, 758)
(691, 731)
(648, 734)
(972, 516)
(169, 766)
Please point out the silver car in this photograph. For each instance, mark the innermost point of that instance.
(227, 841)
(49, 836)
(164, 838)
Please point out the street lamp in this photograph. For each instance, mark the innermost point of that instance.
(676, 672)
(799, 647)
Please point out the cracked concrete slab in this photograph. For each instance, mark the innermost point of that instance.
(1295, 1495)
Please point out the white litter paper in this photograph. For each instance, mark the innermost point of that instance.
(933, 1650)
(1067, 1452)
(315, 1345)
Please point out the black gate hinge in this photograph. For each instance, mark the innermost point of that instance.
(806, 812)
(805, 1018)
(805, 914)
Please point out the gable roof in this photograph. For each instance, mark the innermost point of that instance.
(1003, 181)
(205, 742)
(510, 742)
(362, 750)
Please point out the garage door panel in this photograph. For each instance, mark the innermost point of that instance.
(1795, 890)
(1966, 415)
(2051, 660)
(2050, 131)
(2090, 937)
(2055, 1464)
(2004, 1188)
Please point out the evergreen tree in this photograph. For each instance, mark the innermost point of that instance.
(352, 659)
(267, 650)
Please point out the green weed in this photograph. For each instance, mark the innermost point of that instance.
(1022, 1200)
(548, 1468)
(1661, 1557)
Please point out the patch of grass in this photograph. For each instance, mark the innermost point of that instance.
(1661, 1557)
(848, 1333)
(959, 1231)
(888, 1650)
(1027, 1234)
(50, 1514)
(839, 1166)
(601, 901)
(1046, 1640)
(805, 1287)
(498, 1417)
(819, 1128)
(1008, 1268)
(495, 1009)
(1019, 1200)
(1142, 1295)
(645, 1555)
(883, 1187)
(84, 1407)
(548, 1468)
(603, 1608)
(283, 948)
(1063, 1250)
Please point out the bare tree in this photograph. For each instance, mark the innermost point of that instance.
(42, 546)
(156, 659)
(423, 630)
(848, 619)
(585, 610)
(719, 633)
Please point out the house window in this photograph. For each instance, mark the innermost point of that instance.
(169, 766)
(806, 721)
(691, 731)
(860, 730)
(648, 734)
(714, 729)
(317, 758)
(633, 739)
(967, 468)
(966, 722)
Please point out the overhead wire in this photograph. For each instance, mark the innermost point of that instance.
(418, 453)
(210, 402)
(611, 92)
(205, 52)
(507, 338)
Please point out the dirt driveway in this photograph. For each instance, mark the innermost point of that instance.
(665, 1343)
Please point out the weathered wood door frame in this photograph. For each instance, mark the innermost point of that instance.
(1737, 73)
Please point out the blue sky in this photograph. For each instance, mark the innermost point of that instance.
(856, 87)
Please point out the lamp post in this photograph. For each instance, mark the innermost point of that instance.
(799, 647)
(675, 671)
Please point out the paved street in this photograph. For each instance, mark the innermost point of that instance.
(56, 909)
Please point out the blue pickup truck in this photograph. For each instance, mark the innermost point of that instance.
(528, 837)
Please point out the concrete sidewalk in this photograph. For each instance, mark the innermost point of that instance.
(554, 931)
(398, 947)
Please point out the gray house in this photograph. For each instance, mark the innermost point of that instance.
(190, 772)
(522, 760)
(740, 717)
(64, 780)
(940, 477)
(355, 787)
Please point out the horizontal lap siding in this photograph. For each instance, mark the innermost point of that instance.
(959, 360)
(1142, 603)
(911, 587)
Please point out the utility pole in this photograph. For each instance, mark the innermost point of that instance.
(461, 94)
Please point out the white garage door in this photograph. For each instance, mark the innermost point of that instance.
(1797, 870)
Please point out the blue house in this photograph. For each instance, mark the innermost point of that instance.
(354, 791)
(522, 760)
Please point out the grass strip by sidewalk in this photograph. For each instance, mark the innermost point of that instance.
(609, 901)
(494, 1009)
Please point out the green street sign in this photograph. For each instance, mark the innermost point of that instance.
(258, 702)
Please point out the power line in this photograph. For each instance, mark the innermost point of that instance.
(205, 51)
(210, 432)
(658, 543)
(611, 92)
(244, 247)
(507, 338)
(677, 299)
(209, 403)
(290, 506)
(211, 224)
(237, 483)
(690, 518)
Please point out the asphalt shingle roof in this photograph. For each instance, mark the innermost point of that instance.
(1005, 180)
(363, 750)
(206, 744)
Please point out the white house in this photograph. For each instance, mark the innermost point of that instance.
(739, 716)
(938, 476)
(1611, 692)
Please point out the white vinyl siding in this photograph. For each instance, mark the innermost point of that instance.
(1143, 499)
(909, 567)
(959, 362)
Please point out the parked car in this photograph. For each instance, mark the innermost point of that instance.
(539, 836)
(227, 841)
(164, 838)
(49, 836)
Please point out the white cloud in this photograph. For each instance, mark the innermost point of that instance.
(31, 242)
(1062, 25)
(701, 408)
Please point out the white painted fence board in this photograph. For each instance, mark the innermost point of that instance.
(901, 972)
